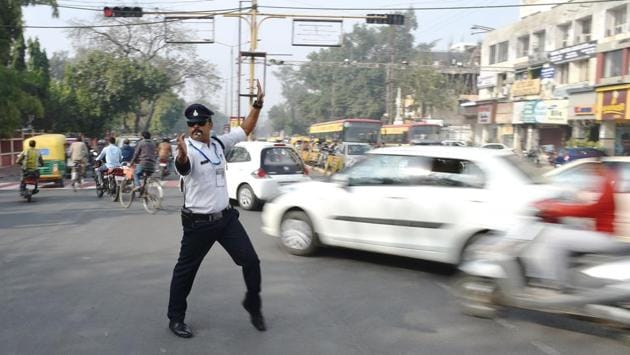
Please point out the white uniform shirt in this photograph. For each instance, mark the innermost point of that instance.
(205, 189)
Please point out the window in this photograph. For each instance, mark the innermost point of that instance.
(562, 73)
(238, 155)
(281, 161)
(612, 63)
(538, 47)
(616, 20)
(583, 30)
(502, 55)
(563, 35)
(583, 70)
(523, 46)
(381, 169)
(493, 54)
(456, 173)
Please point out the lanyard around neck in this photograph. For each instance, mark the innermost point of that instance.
(205, 156)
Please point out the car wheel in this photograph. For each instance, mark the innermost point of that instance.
(246, 198)
(297, 235)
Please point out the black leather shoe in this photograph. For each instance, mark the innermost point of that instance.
(180, 329)
(258, 321)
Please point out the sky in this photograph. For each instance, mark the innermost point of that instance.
(447, 26)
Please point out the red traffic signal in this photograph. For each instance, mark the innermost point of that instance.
(125, 11)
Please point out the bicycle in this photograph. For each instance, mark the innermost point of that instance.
(77, 174)
(150, 191)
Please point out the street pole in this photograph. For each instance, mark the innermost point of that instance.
(252, 47)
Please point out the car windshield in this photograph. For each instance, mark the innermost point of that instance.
(358, 149)
(280, 161)
(527, 170)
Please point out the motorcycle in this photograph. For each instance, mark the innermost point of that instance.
(29, 186)
(111, 181)
(164, 172)
(494, 276)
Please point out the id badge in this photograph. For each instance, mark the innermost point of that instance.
(220, 176)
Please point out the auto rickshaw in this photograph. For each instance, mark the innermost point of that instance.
(52, 149)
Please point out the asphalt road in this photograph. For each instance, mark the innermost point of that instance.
(80, 275)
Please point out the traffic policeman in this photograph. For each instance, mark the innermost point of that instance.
(207, 216)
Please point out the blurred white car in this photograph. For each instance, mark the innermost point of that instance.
(257, 171)
(425, 202)
(579, 177)
(498, 146)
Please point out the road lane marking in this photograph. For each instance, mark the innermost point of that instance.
(545, 348)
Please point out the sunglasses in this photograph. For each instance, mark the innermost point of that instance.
(200, 124)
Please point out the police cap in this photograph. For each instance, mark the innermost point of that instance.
(198, 113)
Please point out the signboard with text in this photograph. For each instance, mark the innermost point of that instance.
(485, 114)
(317, 33)
(612, 104)
(577, 52)
(526, 87)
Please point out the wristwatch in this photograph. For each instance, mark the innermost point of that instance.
(257, 104)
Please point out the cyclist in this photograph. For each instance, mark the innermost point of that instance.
(30, 159)
(144, 158)
(79, 156)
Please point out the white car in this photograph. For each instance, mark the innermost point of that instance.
(425, 202)
(257, 171)
(352, 153)
(497, 146)
(579, 176)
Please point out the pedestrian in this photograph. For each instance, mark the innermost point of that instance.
(207, 216)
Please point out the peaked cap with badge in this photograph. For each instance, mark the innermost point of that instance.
(198, 113)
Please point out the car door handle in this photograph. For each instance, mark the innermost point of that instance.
(477, 201)
(395, 197)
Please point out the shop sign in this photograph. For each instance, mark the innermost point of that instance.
(583, 110)
(577, 52)
(545, 111)
(484, 114)
(548, 73)
(526, 87)
(612, 104)
(486, 80)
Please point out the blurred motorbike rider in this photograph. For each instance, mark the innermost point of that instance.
(549, 253)
(165, 152)
(30, 159)
(112, 156)
(144, 157)
(126, 151)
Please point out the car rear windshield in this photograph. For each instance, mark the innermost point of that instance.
(280, 161)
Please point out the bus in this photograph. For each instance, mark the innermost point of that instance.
(418, 133)
(351, 130)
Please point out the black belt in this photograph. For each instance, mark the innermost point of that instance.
(208, 217)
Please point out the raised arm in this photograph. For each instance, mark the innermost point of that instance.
(252, 118)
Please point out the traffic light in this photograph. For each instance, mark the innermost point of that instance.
(125, 11)
(386, 19)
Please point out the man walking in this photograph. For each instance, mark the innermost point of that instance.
(207, 215)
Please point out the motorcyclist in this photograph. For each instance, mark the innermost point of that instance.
(112, 155)
(165, 152)
(144, 157)
(30, 159)
(126, 151)
(549, 253)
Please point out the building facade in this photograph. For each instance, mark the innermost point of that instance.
(555, 75)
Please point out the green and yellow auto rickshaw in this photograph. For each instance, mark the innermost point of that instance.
(52, 149)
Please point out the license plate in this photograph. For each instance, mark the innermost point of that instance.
(30, 187)
(119, 178)
(162, 164)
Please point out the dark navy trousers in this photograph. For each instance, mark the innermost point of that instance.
(199, 236)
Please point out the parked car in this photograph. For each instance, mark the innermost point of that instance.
(499, 146)
(566, 155)
(426, 202)
(257, 171)
(578, 176)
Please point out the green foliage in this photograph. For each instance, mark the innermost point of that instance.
(582, 143)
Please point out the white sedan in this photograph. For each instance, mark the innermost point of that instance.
(257, 171)
(426, 202)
